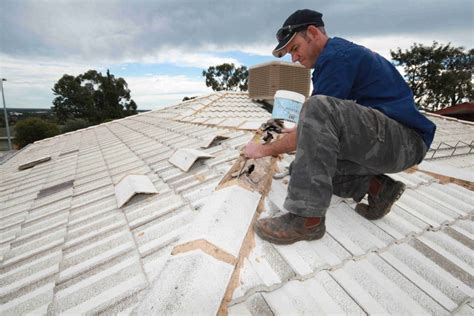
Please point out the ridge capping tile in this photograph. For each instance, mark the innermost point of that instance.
(212, 140)
(131, 185)
(224, 219)
(184, 158)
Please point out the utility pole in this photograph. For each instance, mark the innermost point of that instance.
(6, 116)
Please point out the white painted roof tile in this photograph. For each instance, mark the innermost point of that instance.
(163, 232)
(185, 287)
(224, 219)
(425, 209)
(252, 125)
(447, 170)
(424, 229)
(30, 301)
(74, 251)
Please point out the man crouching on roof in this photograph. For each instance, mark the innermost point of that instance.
(359, 123)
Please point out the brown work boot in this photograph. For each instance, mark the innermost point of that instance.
(383, 192)
(289, 228)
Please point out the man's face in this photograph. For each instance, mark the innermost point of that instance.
(305, 49)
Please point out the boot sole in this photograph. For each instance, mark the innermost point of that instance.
(398, 193)
(278, 241)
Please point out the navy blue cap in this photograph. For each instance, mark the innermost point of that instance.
(296, 22)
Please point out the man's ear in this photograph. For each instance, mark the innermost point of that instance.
(313, 31)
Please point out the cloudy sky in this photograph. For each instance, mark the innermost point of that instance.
(160, 47)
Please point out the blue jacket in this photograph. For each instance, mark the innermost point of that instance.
(348, 71)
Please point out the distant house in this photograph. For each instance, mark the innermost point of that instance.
(463, 111)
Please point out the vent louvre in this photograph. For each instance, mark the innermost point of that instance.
(33, 163)
(69, 152)
(265, 79)
(55, 189)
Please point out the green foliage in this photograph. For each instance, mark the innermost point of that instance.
(439, 75)
(74, 124)
(32, 129)
(226, 77)
(92, 97)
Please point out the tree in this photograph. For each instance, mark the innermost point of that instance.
(92, 97)
(32, 129)
(439, 75)
(74, 124)
(226, 77)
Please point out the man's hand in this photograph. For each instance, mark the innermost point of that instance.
(254, 150)
(280, 146)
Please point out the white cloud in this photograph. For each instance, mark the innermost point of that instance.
(151, 92)
(383, 44)
(29, 82)
(77, 36)
(184, 59)
(258, 49)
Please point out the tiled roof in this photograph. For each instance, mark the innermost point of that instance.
(453, 143)
(66, 246)
(416, 260)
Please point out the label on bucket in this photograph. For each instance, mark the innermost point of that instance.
(287, 105)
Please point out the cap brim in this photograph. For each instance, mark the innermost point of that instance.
(281, 50)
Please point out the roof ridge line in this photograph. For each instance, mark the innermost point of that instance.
(210, 103)
(448, 118)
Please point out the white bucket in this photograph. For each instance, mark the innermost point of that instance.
(287, 105)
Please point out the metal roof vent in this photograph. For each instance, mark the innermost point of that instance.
(33, 163)
(265, 79)
(131, 185)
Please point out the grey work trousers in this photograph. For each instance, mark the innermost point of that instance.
(341, 145)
